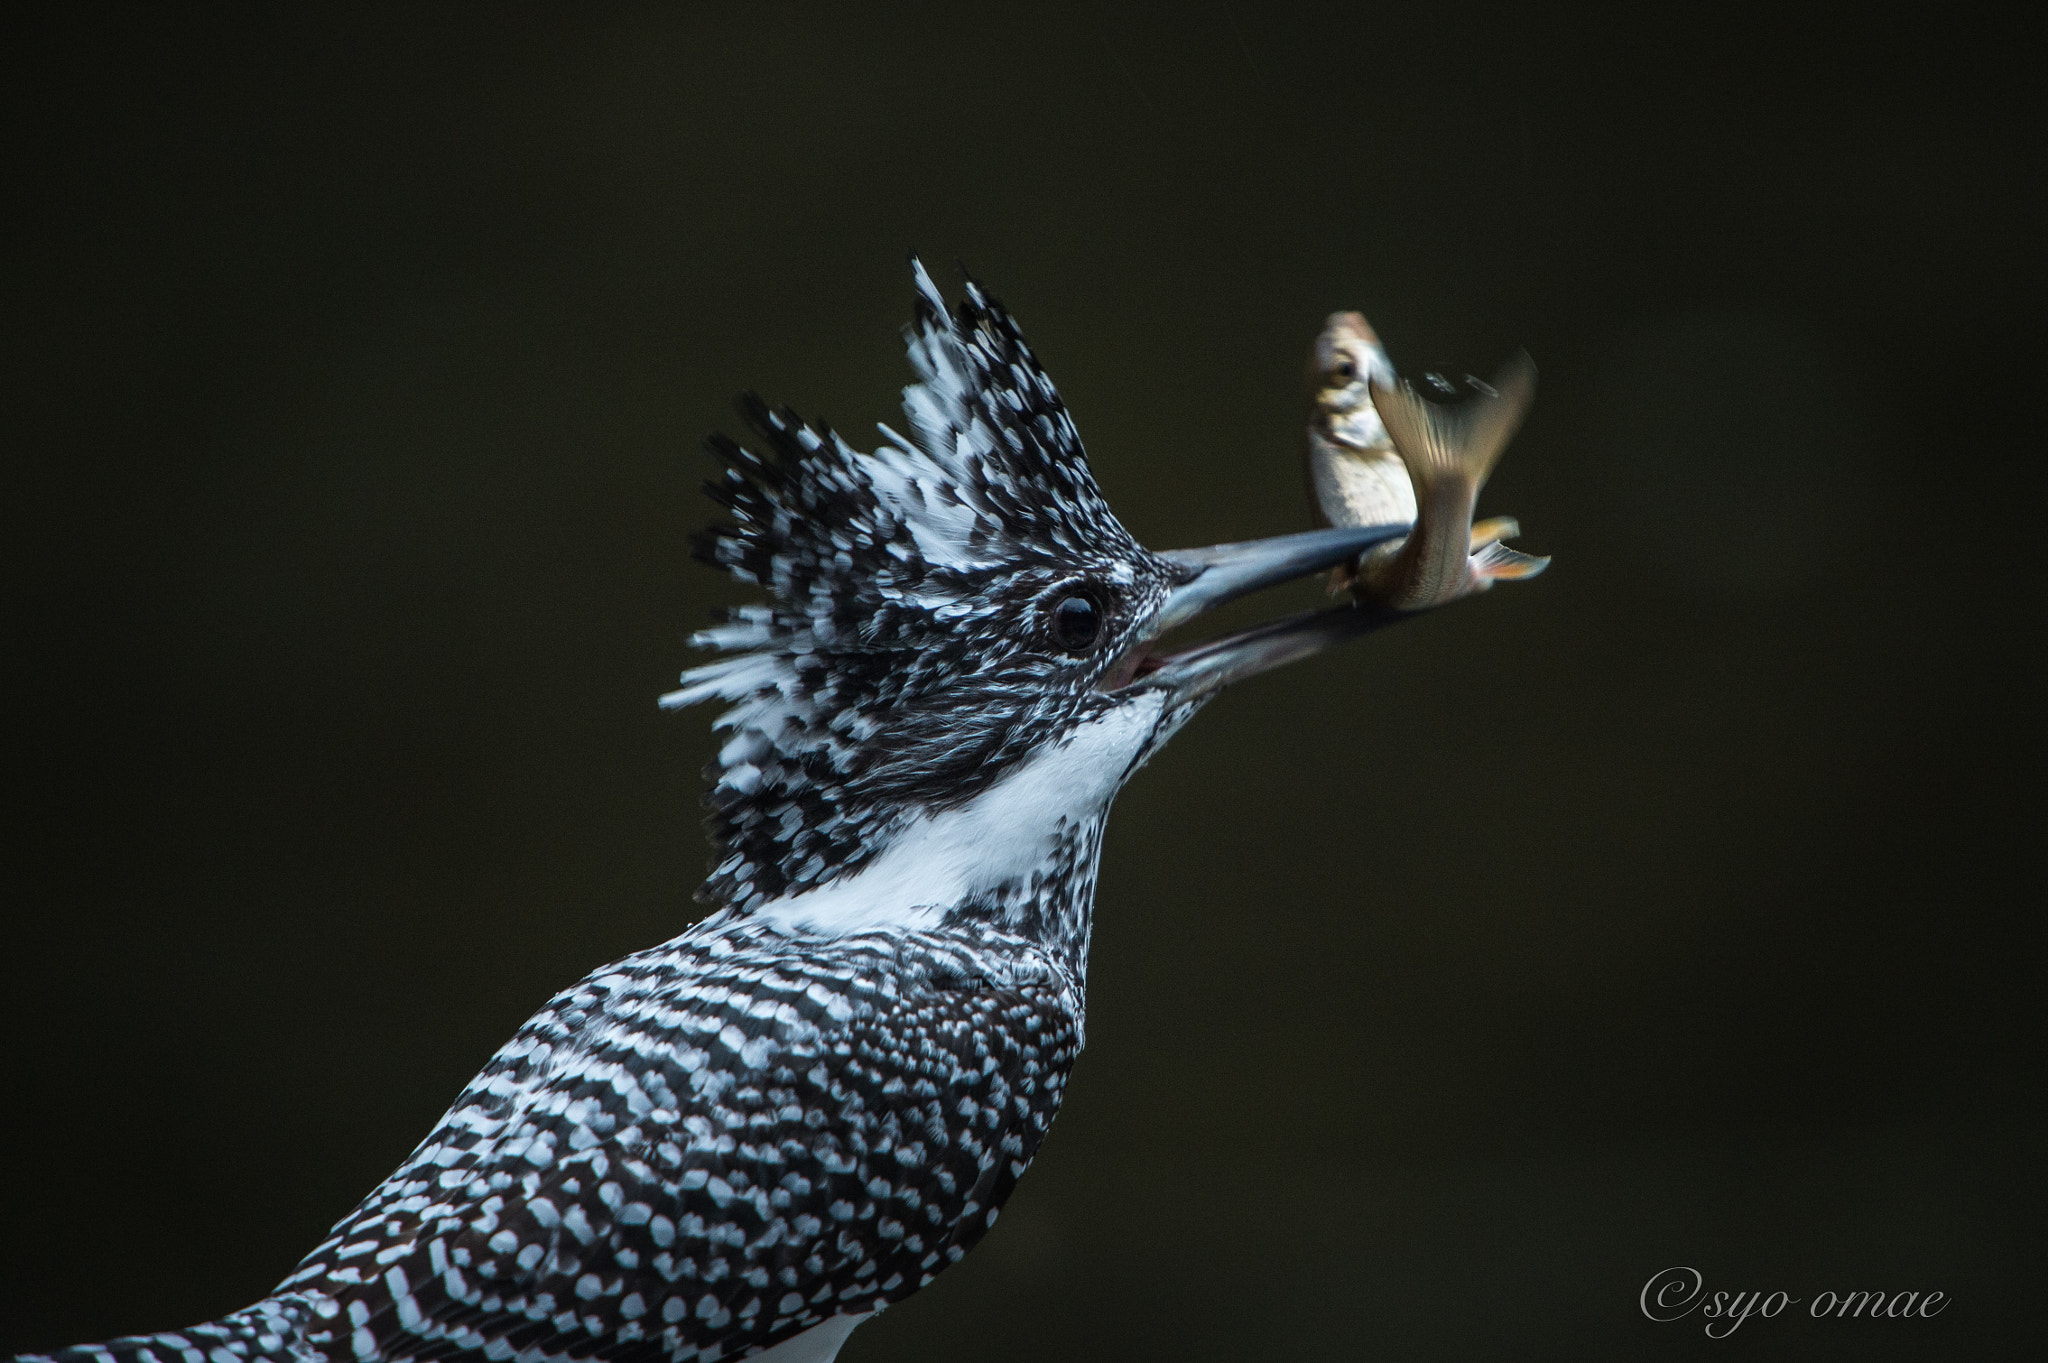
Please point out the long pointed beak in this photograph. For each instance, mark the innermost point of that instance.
(1224, 572)
(1227, 571)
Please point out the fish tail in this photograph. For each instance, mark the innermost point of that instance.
(1492, 530)
(1448, 451)
(1495, 562)
(1456, 444)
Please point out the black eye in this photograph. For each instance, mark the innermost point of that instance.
(1076, 620)
(1345, 369)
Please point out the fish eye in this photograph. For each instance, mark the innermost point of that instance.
(1075, 622)
(1346, 368)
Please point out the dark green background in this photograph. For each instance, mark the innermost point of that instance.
(1668, 910)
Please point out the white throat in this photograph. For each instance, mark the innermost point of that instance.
(996, 840)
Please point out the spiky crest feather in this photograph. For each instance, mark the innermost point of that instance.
(898, 666)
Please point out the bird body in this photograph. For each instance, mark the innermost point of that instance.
(747, 1140)
(730, 1139)
(739, 1135)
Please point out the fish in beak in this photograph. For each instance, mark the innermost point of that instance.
(1395, 475)
(1380, 451)
(1225, 572)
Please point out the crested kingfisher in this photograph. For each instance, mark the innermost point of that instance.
(747, 1140)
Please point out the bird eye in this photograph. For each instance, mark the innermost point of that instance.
(1076, 621)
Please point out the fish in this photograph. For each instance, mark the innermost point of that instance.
(1381, 452)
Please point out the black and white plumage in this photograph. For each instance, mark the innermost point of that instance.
(900, 670)
(800, 1110)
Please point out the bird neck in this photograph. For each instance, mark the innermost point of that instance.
(1020, 855)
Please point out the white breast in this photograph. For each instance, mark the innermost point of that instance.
(819, 1344)
(1000, 837)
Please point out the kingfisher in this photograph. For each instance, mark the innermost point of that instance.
(749, 1139)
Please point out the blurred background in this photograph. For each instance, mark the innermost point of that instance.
(1675, 909)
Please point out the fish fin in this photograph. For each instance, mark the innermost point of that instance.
(1440, 442)
(1492, 530)
(1496, 562)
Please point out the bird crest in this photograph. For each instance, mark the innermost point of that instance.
(900, 662)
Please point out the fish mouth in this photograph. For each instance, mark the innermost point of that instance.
(1225, 572)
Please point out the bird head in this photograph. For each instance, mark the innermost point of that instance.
(959, 661)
